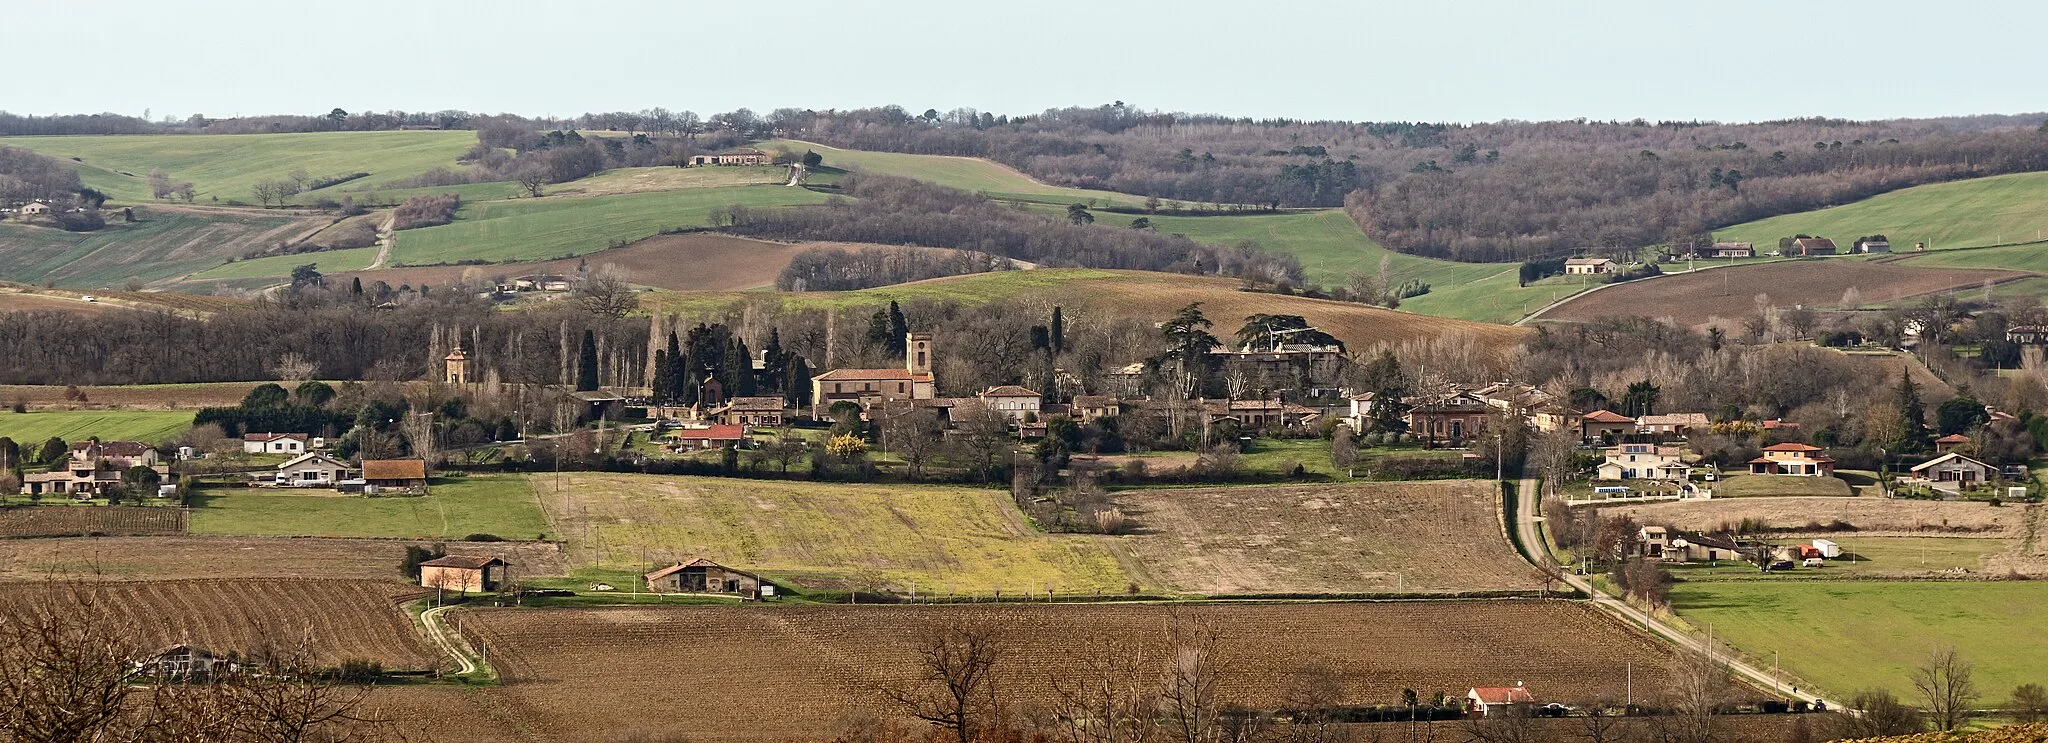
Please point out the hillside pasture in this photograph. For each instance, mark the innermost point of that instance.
(930, 539)
(1968, 213)
(1726, 295)
(687, 262)
(1870, 516)
(147, 426)
(1140, 294)
(164, 242)
(549, 228)
(1381, 537)
(175, 557)
(76, 521)
(824, 664)
(279, 267)
(339, 619)
(226, 166)
(965, 173)
(1847, 636)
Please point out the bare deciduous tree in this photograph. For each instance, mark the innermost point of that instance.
(1945, 681)
(954, 687)
(294, 367)
(607, 293)
(1193, 680)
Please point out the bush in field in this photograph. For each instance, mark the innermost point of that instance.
(426, 211)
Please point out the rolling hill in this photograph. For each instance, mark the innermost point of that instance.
(964, 173)
(1976, 212)
(224, 166)
(545, 228)
(164, 242)
(1729, 294)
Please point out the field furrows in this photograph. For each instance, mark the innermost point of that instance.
(78, 521)
(164, 558)
(338, 619)
(823, 664)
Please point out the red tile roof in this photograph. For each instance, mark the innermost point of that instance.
(466, 562)
(1789, 446)
(1608, 416)
(395, 469)
(714, 433)
(1954, 438)
(839, 375)
(1008, 390)
(1503, 695)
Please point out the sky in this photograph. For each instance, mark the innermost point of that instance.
(1431, 60)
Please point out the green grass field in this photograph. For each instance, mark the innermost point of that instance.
(147, 426)
(280, 266)
(1329, 244)
(941, 539)
(1980, 211)
(162, 244)
(1749, 486)
(1866, 557)
(534, 229)
(1845, 636)
(965, 173)
(227, 165)
(491, 504)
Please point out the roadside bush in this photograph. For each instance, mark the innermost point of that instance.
(483, 538)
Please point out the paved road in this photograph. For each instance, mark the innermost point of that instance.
(1530, 534)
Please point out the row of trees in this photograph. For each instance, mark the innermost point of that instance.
(840, 269)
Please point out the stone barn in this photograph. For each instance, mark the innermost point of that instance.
(703, 576)
(463, 573)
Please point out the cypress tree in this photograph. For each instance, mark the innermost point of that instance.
(1059, 331)
(899, 328)
(586, 363)
(660, 384)
(773, 362)
(1912, 410)
(743, 372)
(798, 378)
(732, 369)
(676, 387)
(355, 286)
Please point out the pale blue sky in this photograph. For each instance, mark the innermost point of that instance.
(1438, 60)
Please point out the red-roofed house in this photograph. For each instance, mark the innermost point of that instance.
(866, 387)
(1485, 700)
(714, 437)
(1950, 443)
(1793, 459)
(1813, 246)
(464, 573)
(1605, 425)
(750, 411)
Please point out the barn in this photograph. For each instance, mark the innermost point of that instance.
(703, 576)
(395, 474)
(463, 573)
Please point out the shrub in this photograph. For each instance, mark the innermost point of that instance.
(426, 211)
(483, 538)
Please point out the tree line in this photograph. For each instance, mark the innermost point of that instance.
(840, 269)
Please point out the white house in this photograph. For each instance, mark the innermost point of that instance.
(34, 207)
(1588, 266)
(1485, 700)
(275, 443)
(311, 470)
(1012, 400)
(1645, 462)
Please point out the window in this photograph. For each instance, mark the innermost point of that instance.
(899, 388)
(920, 358)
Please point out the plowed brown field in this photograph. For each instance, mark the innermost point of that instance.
(342, 619)
(1352, 539)
(776, 673)
(159, 558)
(1730, 294)
(70, 521)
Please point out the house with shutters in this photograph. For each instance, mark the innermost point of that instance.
(1799, 460)
(275, 443)
(1014, 402)
(1645, 462)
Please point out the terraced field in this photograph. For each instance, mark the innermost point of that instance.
(824, 664)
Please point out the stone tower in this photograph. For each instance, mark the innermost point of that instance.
(458, 366)
(917, 353)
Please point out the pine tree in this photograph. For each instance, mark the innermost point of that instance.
(586, 363)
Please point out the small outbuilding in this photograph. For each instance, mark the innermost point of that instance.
(703, 576)
(395, 474)
(463, 573)
(186, 662)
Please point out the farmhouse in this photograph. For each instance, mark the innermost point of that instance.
(710, 437)
(740, 156)
(1605, 425)
(866, 387)
(1483, 701)
(1873, 246)
(1809, 246)
(1096, 407)
(118, 455)
(1793, 459)
(1588, 266)
(93, 469)
(1951, 442)
(1672, 424)
(1953, 472)
(311, 470)
(703, 576)
(1691, 547)
(1451, 416)
(395, 474)
(463, 573)
(1012, 401)
(1645, 462)
(275, 443)
(34, 208)
(750, 411)
(1731, 250)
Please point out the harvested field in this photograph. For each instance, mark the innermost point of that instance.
(1347, 539)
(566, 669)
(161, 558)
(447, 714)
(1730, 294)
(78, 521)
(14, 302)
(343, 619)
(933, 539)
(1871, 516)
